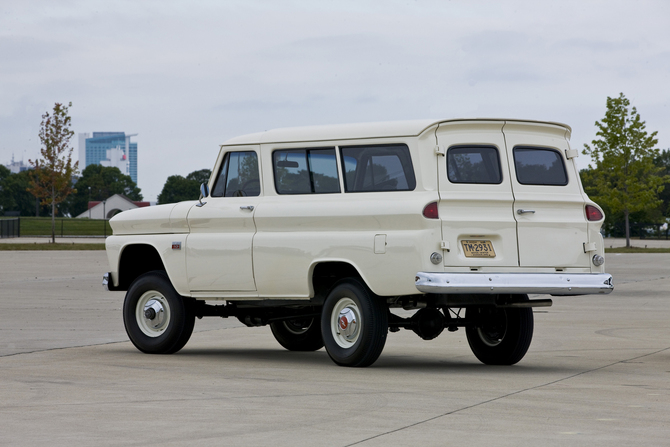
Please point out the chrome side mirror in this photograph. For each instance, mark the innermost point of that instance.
(204, 192)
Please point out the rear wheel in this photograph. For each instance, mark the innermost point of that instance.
(500, 336)
(157, 319)
(354, 324)
(298, 334)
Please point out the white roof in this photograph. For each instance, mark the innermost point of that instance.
(358, 131)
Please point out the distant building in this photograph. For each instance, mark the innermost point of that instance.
(109, 149)
(17, 166)
(111, 206)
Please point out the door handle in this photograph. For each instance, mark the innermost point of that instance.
(521, 211)
(248, 207)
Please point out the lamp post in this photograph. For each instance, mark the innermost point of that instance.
(89, 202)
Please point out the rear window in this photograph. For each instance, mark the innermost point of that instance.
(474, 164)
(306, 171)
(539, 166)
(377, 168)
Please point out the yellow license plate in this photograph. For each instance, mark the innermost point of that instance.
(478, 249)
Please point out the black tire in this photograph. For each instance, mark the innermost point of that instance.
(299, 334)
(173, 316)
(361, 340)
(501, 336)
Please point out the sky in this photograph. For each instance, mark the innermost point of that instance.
(188, 75)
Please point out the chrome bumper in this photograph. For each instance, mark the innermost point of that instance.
(515, 283)
(107, 282)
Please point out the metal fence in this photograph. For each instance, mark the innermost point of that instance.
(640, 230)
(10, 228)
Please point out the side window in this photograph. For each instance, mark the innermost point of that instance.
(238, 176)
(539, 166)
(474, 164)
(377, 168)
(305, 171)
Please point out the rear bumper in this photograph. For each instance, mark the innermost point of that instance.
(515, 283)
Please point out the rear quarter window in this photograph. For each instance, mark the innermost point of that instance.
(539, 166)
(306, 171)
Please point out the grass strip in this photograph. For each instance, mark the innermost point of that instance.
(65, 226)
(637, 250)
(47, 246)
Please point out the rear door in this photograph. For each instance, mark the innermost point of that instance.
(548, 204)
(476, 201)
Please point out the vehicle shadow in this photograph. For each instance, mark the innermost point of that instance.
(414, 363)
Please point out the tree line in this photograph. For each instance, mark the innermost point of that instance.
(15, 194)
(96, 183)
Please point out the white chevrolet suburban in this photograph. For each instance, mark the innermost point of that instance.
(319, 232)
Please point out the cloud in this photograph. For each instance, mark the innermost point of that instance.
(19, 53)
(597, 46)
(498, 43)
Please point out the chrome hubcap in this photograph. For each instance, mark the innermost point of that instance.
(346, 322)
(152, 313)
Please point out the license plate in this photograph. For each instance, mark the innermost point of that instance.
(478, 249)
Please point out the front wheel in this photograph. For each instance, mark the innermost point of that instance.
(354, 324)
(500, 336)
(298, 334)
(157, 319)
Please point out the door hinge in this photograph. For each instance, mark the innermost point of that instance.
(591, 246)
(444, 245)
(439, 150)
(571, 153)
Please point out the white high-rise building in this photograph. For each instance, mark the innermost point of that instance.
(116, 158)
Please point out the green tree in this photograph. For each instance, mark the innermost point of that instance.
(4, 194)
(53, 172)
(625, 178)
(14, 195)
(663, 162)
(200, 176)
(178, 188)
(103, 182)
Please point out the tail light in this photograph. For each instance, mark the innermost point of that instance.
(593, 214)
(430, 211)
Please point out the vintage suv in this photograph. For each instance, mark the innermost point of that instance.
(320, 231)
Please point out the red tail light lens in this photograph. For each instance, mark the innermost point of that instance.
(430, 211)
(593, 213)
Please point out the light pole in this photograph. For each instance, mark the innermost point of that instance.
(89, 202)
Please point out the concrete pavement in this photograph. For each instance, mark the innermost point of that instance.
(596, 374)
